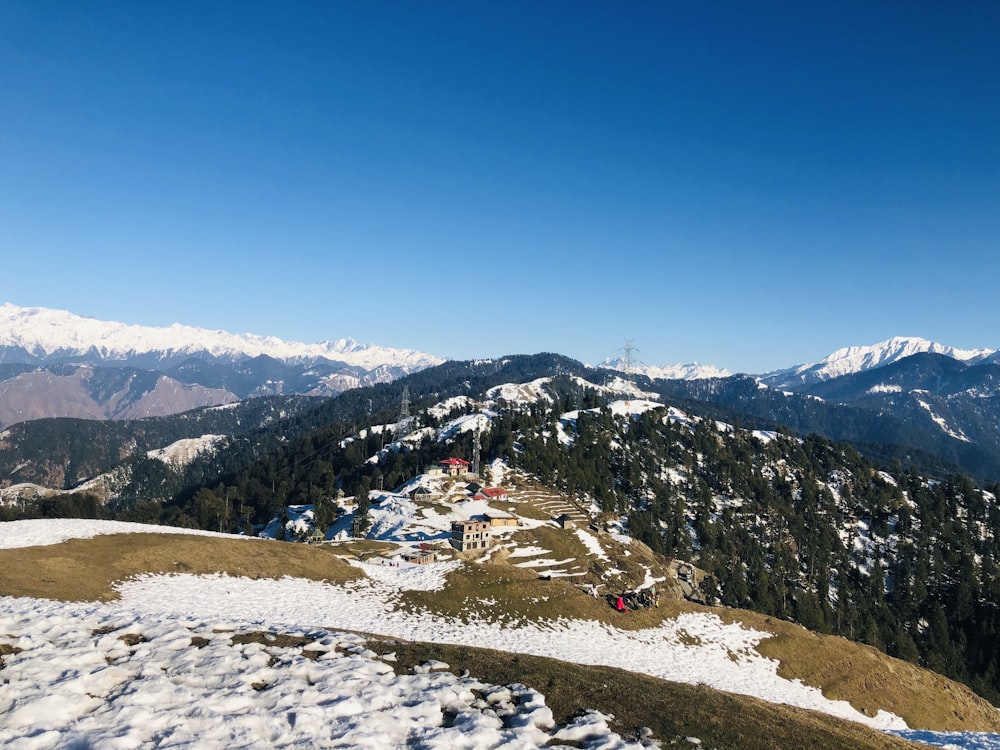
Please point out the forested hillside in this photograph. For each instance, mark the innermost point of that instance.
(804, 529)
(938, 431)
(60, 453)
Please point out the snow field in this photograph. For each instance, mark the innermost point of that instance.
(94, 675)
(693, 649)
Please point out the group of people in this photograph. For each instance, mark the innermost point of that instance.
(643, 599)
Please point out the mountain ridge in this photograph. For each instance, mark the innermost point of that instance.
(870, 395)
(854, 359)
(46, 335)
(38, 335)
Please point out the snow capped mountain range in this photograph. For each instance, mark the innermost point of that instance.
(34, 335)
(855, 359)
(45, 334)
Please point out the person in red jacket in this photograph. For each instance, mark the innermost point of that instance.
(620, 604)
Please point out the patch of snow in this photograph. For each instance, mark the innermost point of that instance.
(688, 371)
(465, 423)
(725, 657)
(940, 422)
(591, 543)
(528, 551)
(79, 683)
(885, 388)
(181, 453)
(544, 563)
(39, 532)
(633, 407)
(405, 576)
(443, 409)
(521, 393)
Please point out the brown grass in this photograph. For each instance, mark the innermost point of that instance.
(508, 595)
(869, 679)
(86, 569)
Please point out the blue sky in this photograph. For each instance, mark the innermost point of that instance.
(745, 185)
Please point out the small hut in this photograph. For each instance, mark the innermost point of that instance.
(500, 520)
(566, 521)
(419, 556)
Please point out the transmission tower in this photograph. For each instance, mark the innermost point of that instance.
(629, 349)
(475, 449)
(404, 413)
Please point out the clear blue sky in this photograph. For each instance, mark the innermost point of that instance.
(749, 185)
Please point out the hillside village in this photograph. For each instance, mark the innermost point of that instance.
(447, 514)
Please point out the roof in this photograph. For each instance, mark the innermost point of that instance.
(494, 492)
(468, 523)
(454, 462)
(418, 553)
(494, 513)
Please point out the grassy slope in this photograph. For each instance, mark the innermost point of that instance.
(869, 680)
(85, 569)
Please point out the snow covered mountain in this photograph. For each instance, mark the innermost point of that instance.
(37, 335)
(854, 359)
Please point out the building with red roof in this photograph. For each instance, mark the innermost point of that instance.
(454, 467)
